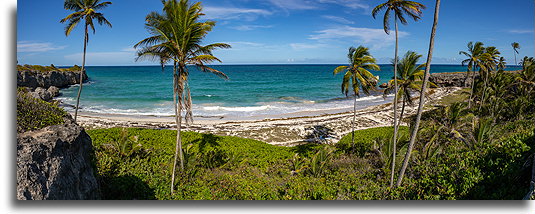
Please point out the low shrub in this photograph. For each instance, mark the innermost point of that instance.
(33, 114)
(364, 139)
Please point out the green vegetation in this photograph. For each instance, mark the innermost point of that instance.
(177, 34)
(33, 114)
(134, 164)
(45, 69)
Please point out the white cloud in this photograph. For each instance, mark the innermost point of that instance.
(517, 31)
(377, 38)
(353, 4)
(29, 47)
(303, 46)
(250, 27)
(341, 20)
(227, 13)
(294, 4)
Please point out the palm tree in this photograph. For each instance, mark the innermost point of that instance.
(409, 80)
(358, 75)
(515, 46)
(488, 64)
(178, 33)
(422, 98)
(501, 63)
(399, 8)
(473, 54)
(85, 10)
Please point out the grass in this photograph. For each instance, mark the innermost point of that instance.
(365, 138)
(458, 96)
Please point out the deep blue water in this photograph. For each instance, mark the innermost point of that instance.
(251, 89)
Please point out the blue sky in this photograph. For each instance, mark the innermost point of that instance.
(280, 31)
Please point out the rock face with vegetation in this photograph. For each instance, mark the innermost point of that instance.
(34, 76)
(53, 154)
(457, 79)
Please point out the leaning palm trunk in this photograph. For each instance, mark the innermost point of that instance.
(403, 101)
(394, 139)
(422, 97)
(86, 37)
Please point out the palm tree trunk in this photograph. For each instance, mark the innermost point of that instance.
(484, 91)
(175, 86)
(394, 139)
(403, 101)
(86, 37)
(353, 124)
(514, 52)
(422, 97)
(178, 118)
(473, 85)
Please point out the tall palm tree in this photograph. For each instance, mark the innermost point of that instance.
(473, 54)
(400, 8)
(515, 46)
(358, 75)
(84, 10)
(422, 98)
(178, 32)
(410, 78)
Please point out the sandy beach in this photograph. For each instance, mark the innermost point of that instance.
(288, 129)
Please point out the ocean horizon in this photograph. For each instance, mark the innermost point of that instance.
(252, 90)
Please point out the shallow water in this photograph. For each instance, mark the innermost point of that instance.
(252, 90)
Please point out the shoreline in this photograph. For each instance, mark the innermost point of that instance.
(292, 129)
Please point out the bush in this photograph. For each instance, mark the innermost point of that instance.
(33, 114)
(365, 138)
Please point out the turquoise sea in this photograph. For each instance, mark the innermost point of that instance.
(252, 90)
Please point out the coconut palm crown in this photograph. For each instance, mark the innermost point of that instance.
(400, 8)
(357, 74)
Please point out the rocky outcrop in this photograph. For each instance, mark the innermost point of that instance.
(60, 79)
(456, 79)
(45, 94)
(54, 163)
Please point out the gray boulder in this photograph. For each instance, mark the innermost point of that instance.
(41, 93)
(53, 90)
(54, 163)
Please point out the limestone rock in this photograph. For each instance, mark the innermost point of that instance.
(54, 163)
(60, 79)
(457, 79)
(54, 91)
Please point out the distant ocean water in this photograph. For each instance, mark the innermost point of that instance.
(252, 90)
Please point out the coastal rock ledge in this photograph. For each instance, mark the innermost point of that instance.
(54, 163)
(57, 78)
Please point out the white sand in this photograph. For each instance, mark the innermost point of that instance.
(288, 129)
